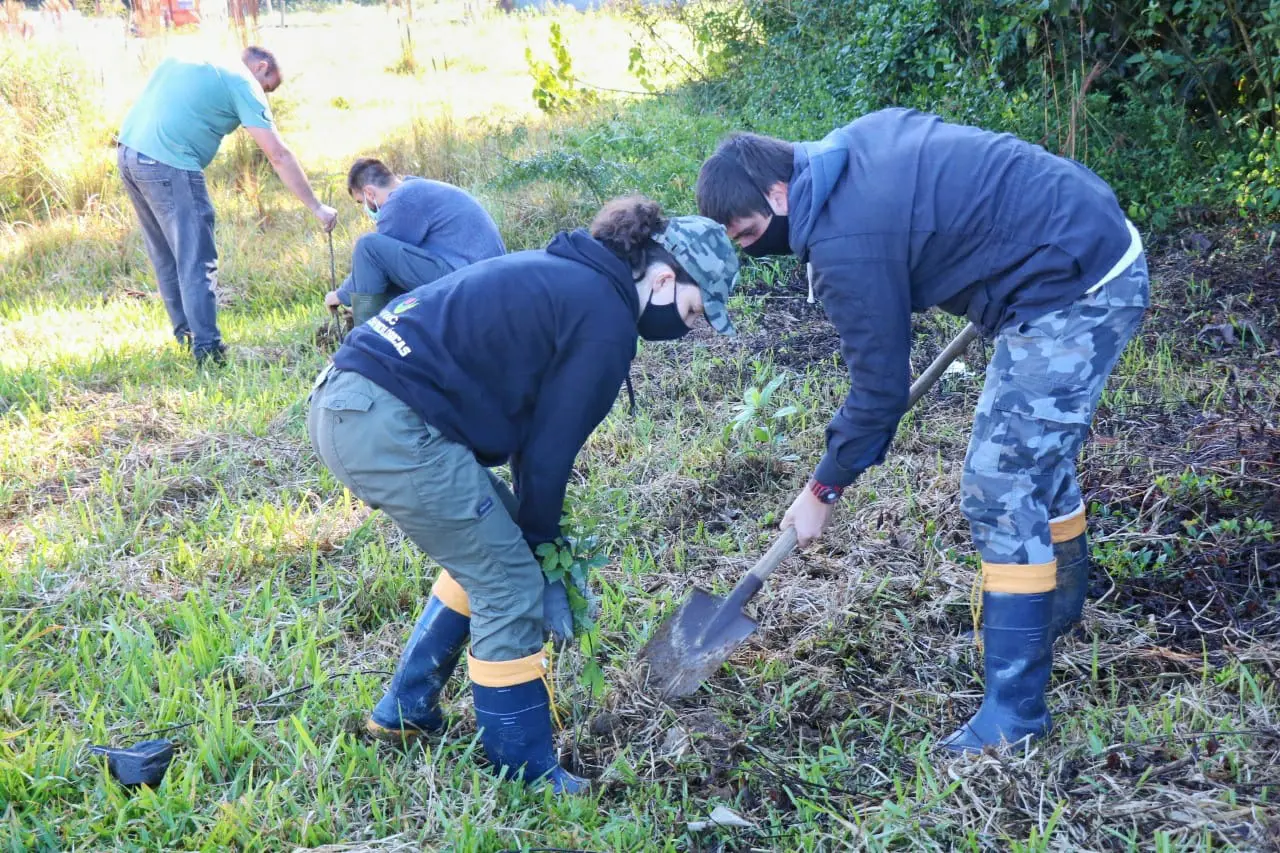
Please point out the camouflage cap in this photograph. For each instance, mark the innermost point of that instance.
(704, 250)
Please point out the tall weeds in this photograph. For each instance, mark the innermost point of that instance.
(54, 138)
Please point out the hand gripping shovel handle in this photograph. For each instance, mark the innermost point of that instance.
(786, 543)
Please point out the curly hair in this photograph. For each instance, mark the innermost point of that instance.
(626, 227)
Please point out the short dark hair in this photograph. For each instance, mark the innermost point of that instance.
(368, 171)
(732, 183)
(256, 53)
(626, 227)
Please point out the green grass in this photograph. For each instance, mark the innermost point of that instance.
(172, 552)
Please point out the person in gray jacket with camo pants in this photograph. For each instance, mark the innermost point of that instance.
(901, 211)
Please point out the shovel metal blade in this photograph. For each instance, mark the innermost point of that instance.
(692, 643)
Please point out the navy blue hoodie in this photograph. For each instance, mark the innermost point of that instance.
(518, 358)
(900, 211)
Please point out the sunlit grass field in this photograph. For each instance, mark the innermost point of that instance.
(173, 554)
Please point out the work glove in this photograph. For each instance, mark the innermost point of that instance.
(560, 619)
(557, 615)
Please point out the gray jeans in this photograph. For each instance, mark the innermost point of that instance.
(176, 215)
(382, 264)
(452, 507)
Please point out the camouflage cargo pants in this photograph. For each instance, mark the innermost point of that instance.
(1043, 384)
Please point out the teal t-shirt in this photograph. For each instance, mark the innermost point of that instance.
(186, 109)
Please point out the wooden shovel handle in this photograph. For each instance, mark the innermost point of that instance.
(754, 579)
(786, 543)
(940, 364)
(333, 271)
(779, 551)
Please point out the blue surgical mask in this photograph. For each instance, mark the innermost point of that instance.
(372, 212)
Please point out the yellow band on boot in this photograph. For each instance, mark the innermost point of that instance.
(507, 673)
(1021, 578)
(451, 593)
(1067, 527)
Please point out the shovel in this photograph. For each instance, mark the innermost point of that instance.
(330, 335)
(333, 270)
(706, 630)
(333, 277)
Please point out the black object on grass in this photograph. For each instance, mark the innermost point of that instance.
(143, 763)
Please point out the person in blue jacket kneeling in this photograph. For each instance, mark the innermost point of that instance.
(424, 231)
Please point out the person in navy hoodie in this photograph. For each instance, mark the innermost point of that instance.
(900, 211)
(514, 359)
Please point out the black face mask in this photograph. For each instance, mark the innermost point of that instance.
(773, 241)
(661, 322)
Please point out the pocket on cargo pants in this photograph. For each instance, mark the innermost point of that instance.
(442, 499)
(470, 531)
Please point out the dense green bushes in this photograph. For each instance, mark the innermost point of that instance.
(1173, 101)
(1219, 57)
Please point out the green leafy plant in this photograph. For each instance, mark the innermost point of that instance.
(718, 31)
(757, 415)
(571, 559)
(1258, 182)
(555, 87)
(638, 67)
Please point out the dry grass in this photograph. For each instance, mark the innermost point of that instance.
(863, 638)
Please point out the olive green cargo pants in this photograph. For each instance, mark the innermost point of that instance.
(453, 508)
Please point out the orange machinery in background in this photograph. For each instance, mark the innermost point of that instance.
(181, 13)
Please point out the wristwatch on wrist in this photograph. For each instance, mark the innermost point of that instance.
(826, 494)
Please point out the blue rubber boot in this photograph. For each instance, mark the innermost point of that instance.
(513, 713)
(1073, 583)
(1071, 550)
(1017, 657)
(411, 706)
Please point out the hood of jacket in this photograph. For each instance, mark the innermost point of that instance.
(818, 166)
(578, 245)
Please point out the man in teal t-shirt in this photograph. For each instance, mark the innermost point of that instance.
(170, 135)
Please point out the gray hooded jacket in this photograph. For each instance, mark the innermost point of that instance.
(901, 211)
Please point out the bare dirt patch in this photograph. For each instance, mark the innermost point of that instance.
(1222, 287)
